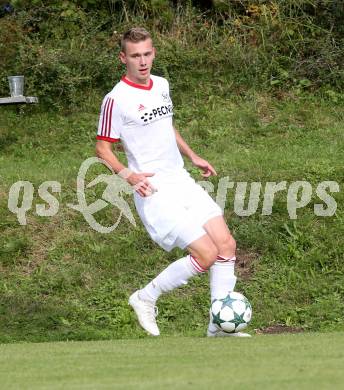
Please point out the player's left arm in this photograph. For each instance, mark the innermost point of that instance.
(208, 169)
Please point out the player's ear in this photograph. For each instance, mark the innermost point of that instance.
(154, 52)
(122, 57)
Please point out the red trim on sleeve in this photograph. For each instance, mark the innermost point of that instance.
(108, 118)
(140, 86)
(108, 115)
(105, 117)
(100, 137)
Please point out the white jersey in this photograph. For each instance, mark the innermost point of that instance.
(141, 118)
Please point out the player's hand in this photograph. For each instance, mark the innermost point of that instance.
(207, 168)
(141, 184)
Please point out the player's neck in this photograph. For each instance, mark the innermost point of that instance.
(144, 82)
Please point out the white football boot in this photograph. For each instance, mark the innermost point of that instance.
(146, 312)
(214, 331)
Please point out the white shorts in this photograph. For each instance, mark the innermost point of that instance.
(174, 216)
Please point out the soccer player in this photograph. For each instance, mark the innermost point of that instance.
(175, 211)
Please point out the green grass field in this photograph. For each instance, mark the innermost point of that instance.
(259, 94)
(302, 361)
(61, 280)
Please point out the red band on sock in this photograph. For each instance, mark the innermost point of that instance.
(197, 265)
(222, 259)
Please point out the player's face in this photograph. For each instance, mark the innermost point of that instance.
(138, 59)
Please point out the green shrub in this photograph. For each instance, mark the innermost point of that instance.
(67, 51)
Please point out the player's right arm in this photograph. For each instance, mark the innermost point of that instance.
(138, 181)
(109, 132)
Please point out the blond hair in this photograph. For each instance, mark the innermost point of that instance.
(135, 34)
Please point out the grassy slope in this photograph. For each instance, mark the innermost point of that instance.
(303, 361)
(62, 280)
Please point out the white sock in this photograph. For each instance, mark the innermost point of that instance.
(175, 275)
(222, 278)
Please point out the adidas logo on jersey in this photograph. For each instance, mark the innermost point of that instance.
(166, 98)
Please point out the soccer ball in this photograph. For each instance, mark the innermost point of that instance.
(231, 314)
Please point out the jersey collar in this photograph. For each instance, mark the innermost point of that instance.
(140, 86)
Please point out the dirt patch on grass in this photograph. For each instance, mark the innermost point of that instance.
(245, 263)
(278, 329)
